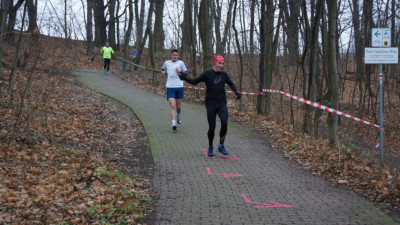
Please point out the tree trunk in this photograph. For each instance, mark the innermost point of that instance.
(150, 34)
(65, 24)
(31, 15)
(269, 52)
(158, 33)
(117, 18)
(111, 25)
(252, 26)
(263, 34)
(333, 72)
(239, 52)
(187, 27)
(368, 24)
(139, 26)
(393, 68)
(125, 49)
(4, 13)
(205, 34)
(221, 41)
(147, 32)
(89, 29)
(313, 65)
(100, 35)
(17, 47)
(12, 16)
(292, 19)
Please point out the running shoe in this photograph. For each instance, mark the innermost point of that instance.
(108, 72)
(174, 127)
(210, 152)
(179, 119)
(104, 71)
(222, 150)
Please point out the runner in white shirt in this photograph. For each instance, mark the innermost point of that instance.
(174, 85)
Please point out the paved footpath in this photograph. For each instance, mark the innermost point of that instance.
(254, 185)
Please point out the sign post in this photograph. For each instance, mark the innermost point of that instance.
(381, 53)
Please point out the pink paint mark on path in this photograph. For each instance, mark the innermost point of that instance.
(223, 174)
(271, 204)
(219, 157)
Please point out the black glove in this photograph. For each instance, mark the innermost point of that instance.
(238, 95)
(182, 75)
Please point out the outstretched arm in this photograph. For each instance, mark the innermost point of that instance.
(183, 76)
(233, 87)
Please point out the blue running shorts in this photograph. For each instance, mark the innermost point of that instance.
(176, 93)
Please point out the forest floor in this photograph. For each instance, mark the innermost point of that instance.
(63, 148)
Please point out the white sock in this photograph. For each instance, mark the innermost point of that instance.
(173, 123)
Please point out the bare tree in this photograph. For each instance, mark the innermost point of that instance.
(269, 52)
(89, 29)
(12, 15)
(187, 27)
(100, 35)
(393, 68)
(221, 41)
(158, 26)
(205, 33)
(111, 24)
(333, 82)
(139, 26)
(3, 16)
(148, 34)
(239, 51)
(292, 12)
(117, 18)
(125, 49)
(313, 66)
(65, 23)
(252, 25)
(263, 52)
(32, 11)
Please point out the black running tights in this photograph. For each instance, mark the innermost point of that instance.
(212, 111)
(107, 63)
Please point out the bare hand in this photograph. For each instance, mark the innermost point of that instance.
(177, 70)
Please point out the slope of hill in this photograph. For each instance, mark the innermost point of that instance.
(64, 147)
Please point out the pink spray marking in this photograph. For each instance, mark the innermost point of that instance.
(219, 157)
(271, 204)
(223, 174)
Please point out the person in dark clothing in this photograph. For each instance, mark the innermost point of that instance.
(215, 100)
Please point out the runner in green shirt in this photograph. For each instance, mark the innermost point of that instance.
(107, 51)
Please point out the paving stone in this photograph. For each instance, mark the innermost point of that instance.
(187, 194)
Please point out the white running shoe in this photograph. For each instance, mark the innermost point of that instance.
(179, 119)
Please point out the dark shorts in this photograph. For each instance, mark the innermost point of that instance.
(107, 61)
(176, 93)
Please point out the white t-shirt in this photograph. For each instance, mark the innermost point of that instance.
(173, 80)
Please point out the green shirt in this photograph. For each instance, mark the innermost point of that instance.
(107, 51)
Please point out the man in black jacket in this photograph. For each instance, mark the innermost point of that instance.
(215, 80)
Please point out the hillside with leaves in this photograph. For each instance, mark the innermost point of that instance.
(68, 154)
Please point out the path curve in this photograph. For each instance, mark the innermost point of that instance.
(255, 185)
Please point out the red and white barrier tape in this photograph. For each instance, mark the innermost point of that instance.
(304, 101)
(321, 107)
(243, 93)
(196, 88)
(204, 89)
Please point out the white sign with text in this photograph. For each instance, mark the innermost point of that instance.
(381, 55)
